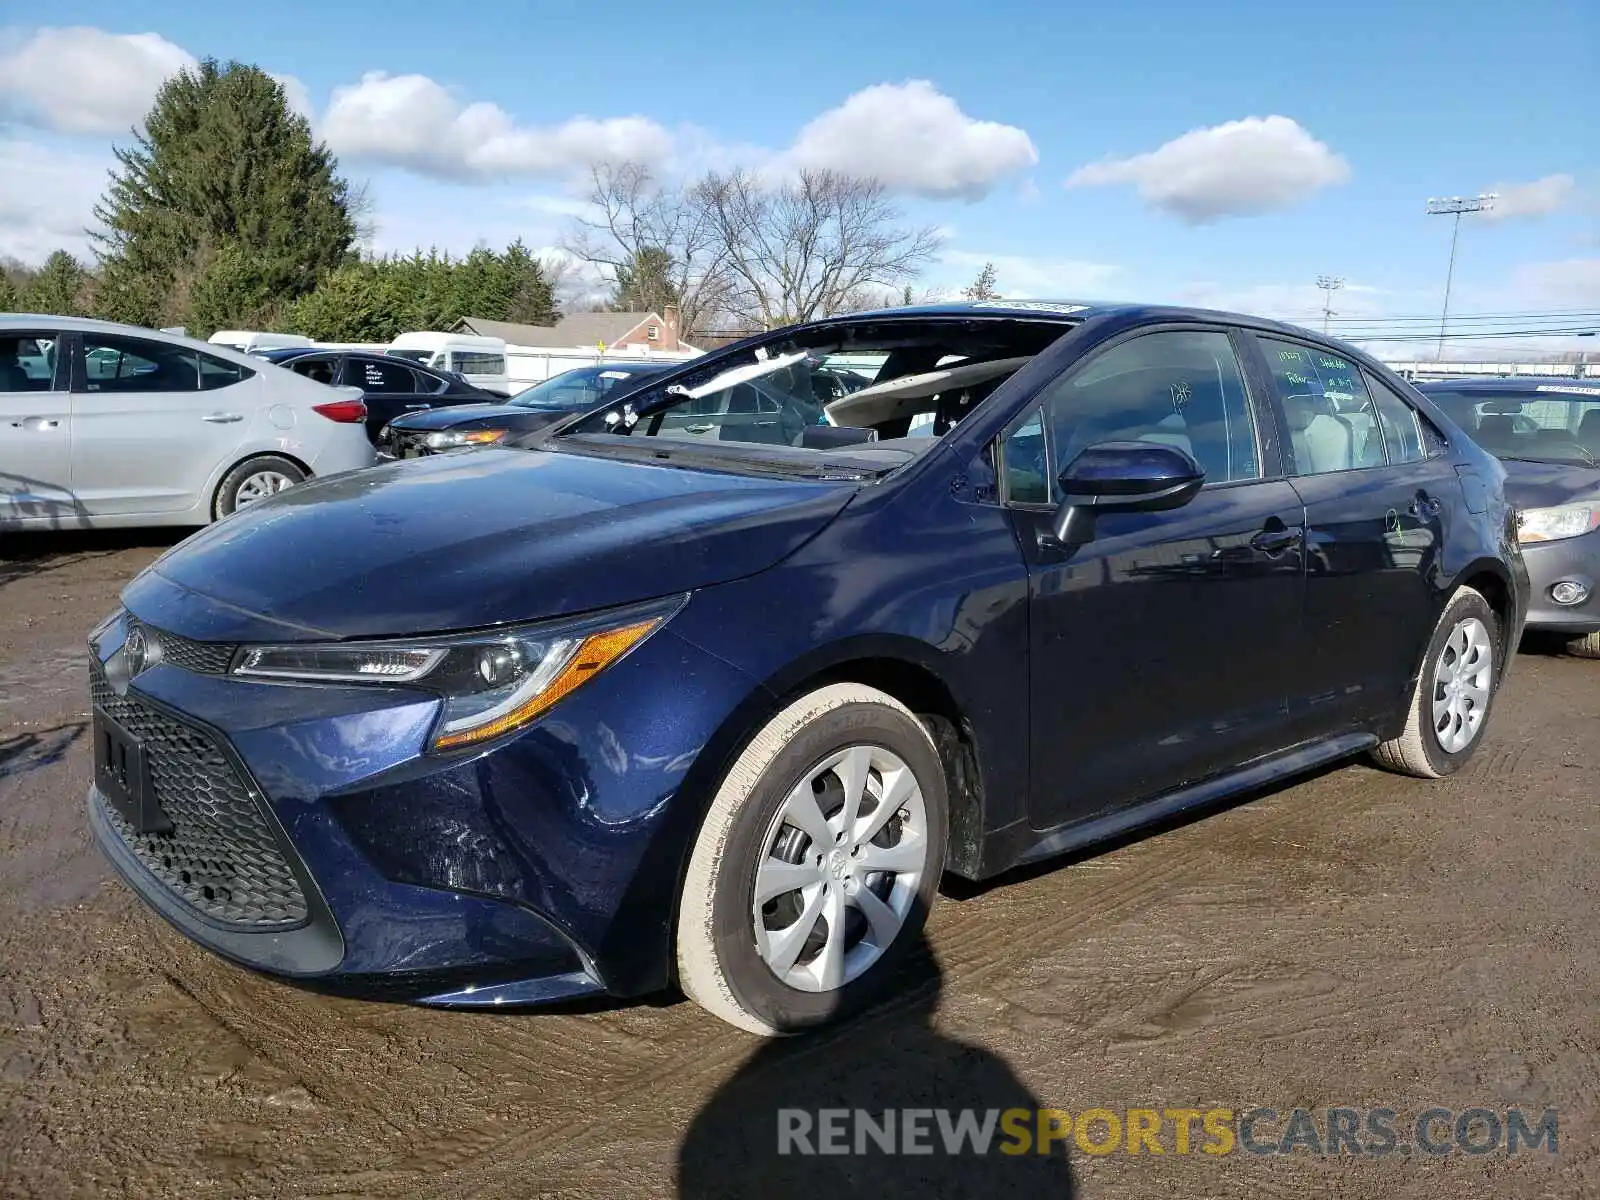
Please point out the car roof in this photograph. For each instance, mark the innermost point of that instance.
(23, 322)
(1075, 312)
(1515, 384)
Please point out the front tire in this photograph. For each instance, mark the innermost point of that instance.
(816, 864)
(252, 480)
(1587, 646)
(1454, 693)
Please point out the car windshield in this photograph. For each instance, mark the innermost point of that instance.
(580, 388)
(1557, 422)
(879, 383)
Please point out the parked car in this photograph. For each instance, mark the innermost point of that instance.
(390, 387)
(653, 697)
(1547, 433)
(481, 361)
(472, 425)
(113, 425)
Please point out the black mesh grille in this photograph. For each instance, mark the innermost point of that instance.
(222, 856)
(201, 658)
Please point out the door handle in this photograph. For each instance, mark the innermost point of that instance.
(220, 418)
(1276, 541)
(698, 428)
(414, 407)
(1427, 506)
(37, 423)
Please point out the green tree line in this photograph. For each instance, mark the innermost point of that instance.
(225, 213)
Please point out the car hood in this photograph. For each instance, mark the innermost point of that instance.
(466, 541)
(456, 415)
(1544, 485)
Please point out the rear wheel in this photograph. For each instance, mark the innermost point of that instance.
(255, 479)
(1454, 693)
(816, 864)
(1587, 646)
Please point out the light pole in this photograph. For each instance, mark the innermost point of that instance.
(1329, 284)
(1455, 206)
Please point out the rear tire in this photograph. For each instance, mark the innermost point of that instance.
(254, 479)
(844, 884)
(1454, 694)
(1587, 646)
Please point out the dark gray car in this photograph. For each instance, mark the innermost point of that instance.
(1547, 432)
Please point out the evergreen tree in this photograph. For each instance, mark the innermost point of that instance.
(644, 282)
(59, 288)
(224, 199)
(982, 288)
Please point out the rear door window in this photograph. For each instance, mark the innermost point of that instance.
(1333, 423)
(380, 378)
(28, 363)
(118, 364)
(318, 370)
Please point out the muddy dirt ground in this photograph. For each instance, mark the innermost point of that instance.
(1354, 939)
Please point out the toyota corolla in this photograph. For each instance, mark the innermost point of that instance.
(687, 692)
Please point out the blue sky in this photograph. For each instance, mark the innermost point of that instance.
(1379, 107)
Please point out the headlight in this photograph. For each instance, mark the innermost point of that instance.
(1553, 524)
(449, 439)
(491, 683)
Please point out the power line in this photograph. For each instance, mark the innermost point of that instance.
(1455, 206)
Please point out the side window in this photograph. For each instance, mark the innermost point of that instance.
(1333, 425)
(27, 362)
(319, 370)
(379, 377)
(214, 373)
(476, 363)
(1179, 387)
(116, 364)
(1026, 463)
(1402, 428)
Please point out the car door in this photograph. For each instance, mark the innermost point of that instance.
(35, 426)
(391, 388)
(1376, 495)
(1161, 650)
(151, 422)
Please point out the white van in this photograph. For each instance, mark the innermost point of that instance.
(480, 360)
(248, 341)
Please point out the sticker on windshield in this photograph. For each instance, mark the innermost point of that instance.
(1063, 310)
(613, 375)
(1568, 389)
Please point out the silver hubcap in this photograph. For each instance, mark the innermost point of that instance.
(259, 486)
(1461, 684)
(840, 868)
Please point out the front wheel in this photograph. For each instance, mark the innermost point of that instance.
(816, 864)
(1455, 690)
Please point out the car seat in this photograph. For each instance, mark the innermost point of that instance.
(1496, 431)
(1589, 430)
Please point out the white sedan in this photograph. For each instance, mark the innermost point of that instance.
(107, 425)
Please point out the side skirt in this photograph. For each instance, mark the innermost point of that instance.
(1259, 773)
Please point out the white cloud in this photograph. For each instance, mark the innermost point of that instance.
(1020, 277)
(48, 199)
(1241, 167)
(915, 139)
(1536, 199)
(85, 80)
(413, 122)
(1567, 283)
(296, 95)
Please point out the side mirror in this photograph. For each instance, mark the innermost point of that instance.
(1122, 477)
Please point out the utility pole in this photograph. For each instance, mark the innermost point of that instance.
(1455, 206)
(1329, 285)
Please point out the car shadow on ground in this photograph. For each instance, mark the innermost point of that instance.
(34, 749)
(875, 1107)
(28, 554)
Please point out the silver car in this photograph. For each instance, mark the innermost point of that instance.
(111, 425)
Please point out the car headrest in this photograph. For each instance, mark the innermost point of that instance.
(1590, 425)
(1495, 427)
(1301, 411)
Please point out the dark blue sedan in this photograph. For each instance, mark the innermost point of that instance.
(710, 685)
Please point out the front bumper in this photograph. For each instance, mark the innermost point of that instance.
(541, 869)
(1549, 563)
